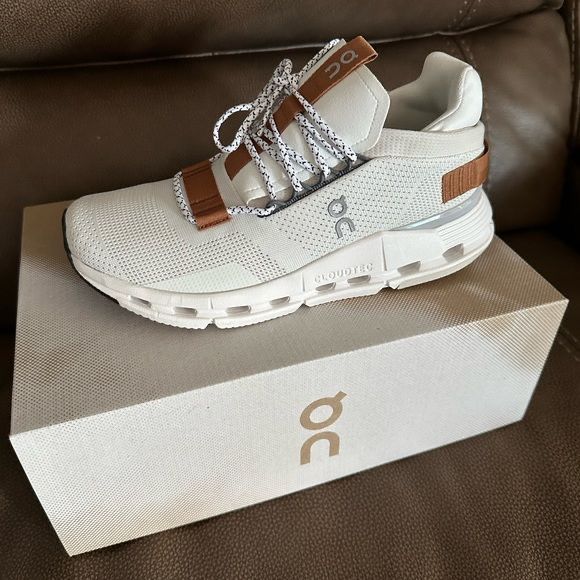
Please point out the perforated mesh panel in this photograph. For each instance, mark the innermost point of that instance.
(84, 239)
(383, 194)
(129, 232)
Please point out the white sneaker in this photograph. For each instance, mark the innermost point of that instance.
(332, 188)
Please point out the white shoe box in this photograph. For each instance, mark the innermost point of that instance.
(126, 427)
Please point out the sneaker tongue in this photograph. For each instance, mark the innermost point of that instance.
(348, 97)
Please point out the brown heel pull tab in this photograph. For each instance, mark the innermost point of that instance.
(329, 73)
(203, 194)
(465, 177)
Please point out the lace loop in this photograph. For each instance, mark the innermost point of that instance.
(259, 128)
(281, 82)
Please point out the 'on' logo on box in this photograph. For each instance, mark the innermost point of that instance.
(306, 420)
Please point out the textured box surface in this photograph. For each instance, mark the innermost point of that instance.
(126, 427)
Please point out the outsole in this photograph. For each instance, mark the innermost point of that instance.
(393, 259)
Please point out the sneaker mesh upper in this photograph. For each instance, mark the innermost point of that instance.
(139, 234)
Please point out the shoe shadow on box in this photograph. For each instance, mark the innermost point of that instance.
(126, 427)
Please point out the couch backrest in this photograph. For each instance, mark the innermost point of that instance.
(71, 31)
(66, 131)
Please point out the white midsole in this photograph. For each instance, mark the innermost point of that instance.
(395, 259)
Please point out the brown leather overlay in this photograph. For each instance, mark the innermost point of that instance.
(465, 177)
(203, 194)
(338, 66)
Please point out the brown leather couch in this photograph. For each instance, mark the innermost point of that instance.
(101, 95)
